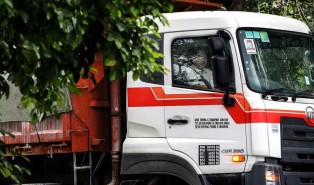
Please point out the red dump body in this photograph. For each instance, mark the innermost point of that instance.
(85, 128)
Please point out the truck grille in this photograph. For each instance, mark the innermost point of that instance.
(297, 151)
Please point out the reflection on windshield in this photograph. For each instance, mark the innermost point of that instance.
(277, 62)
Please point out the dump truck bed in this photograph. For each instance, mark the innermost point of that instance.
(82, 125)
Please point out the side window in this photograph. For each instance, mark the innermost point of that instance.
(192, 65)
(158, 78)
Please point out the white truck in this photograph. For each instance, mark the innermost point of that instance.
(250, 124)
(253, 127)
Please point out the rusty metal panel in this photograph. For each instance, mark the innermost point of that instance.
(80, 127)
(100, 115)
(33, 139)
(49, 130)
(85, 128)
(90, 118)
(80, 140)
(15, 127)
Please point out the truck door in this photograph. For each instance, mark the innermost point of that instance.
(197, 122)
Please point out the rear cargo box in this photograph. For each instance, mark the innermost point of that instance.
(84, 125)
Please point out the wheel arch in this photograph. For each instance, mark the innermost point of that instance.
(158, 163)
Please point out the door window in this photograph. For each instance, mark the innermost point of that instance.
(192, 64)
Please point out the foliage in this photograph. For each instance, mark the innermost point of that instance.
(298, 9)
(8, 169)
(47, 46)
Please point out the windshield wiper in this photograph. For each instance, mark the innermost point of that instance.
(271, 91)
(294, 96)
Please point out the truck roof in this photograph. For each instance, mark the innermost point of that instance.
(198, 20)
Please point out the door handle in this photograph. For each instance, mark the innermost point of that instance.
(177, 121)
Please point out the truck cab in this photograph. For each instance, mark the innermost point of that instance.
(246, 119)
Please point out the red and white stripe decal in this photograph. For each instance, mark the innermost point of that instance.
(241, 113)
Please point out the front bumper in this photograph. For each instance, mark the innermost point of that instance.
(261, 174)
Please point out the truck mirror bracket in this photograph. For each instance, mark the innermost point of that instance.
(227, 100)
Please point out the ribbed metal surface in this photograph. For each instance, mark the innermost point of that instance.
(49, 130)
(14, 127)
(297, 152)
(52, 124)
(297, 141)
(299, 178)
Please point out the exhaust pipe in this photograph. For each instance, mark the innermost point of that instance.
(115, 130)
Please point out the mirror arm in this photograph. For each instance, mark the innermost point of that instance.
(227, 100)
(224, 34)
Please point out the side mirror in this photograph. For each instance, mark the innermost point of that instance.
(221, 76)
(220, 72)
(220, 63)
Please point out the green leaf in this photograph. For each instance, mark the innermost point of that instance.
(136, 75)
(57, 46)
(118, 43)
(9, 3)
(14, 178)
(30, 49)
(112, 75)
(118, 13)
(25, 170)
(26, 101)
(49, 14)
(93, 69)
(110, 62)
(134, 11)
(121, 27)
(18, 168)
(66, 25)
(5, 132)
(5, 172)
(23, 15)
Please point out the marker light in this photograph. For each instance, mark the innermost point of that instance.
(272, 176)
(238, 158)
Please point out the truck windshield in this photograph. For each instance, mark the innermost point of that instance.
(278, 62)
